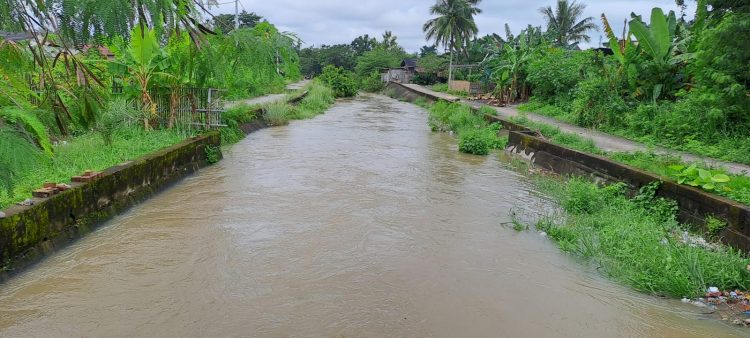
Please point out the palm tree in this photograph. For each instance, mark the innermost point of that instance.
(454, 26)
(563, 22)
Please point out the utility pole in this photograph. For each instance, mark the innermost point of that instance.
(236, 15)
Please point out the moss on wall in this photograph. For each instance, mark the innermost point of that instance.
(26, 233)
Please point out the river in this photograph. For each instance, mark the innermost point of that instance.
(358, 223)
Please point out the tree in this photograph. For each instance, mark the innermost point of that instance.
(427, 50)
(225, 22)
(564, 24)
(140, 61)
(454, 27)
(363, 43)
(377, 59)
(72, 24)
(389, 40)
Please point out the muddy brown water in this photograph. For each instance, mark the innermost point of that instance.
(358, 223)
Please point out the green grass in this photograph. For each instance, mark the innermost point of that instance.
(443, 88)
(542, 108)
(637, 241)
(727, 148)
(318, 100)
(738, 188)
(475, 135)
(555, 135)
(88, 152)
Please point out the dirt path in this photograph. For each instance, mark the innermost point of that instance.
(602, 140)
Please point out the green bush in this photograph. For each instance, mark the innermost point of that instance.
(557, 72)
(341, 81)
(119, 113)
(595, 106)
(454, 117)
(372, 83)
(480, 141)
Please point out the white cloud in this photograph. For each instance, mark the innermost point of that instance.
(335, 21)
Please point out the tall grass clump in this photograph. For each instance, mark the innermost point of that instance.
(480, 141)
(233, 118)
(319, 98)
(278, 113)
(638, 241)
(454, 117)
(475, 135)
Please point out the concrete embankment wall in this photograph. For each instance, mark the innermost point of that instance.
(28, 233)
(694, 204)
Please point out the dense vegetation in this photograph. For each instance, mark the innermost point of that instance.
(475, 135)
(669, 80)
(638, 241)
(83, 85)
(355, 66)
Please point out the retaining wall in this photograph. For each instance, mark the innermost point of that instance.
(28, 233)
(694, 204)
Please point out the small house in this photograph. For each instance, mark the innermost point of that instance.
(403, 74)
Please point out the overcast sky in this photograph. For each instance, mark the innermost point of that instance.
(337, 21)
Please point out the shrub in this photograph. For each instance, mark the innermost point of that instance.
(372, 83)
(118, 114)
(241, 113)
(278, 113)
(595, 106)
(557, 72)
(341, 81)
(453, 117)
(479, 141)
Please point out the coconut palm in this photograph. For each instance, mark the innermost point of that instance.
(563, 22)
(454, 26)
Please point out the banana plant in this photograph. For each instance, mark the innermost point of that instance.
(657, 39)
(139, 62)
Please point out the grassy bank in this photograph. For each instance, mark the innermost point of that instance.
(475, 135)
(638, 241)
(90, 152)
(724, 147)
(443, 88)
(318, 99)
(736, 187)
(85, 152)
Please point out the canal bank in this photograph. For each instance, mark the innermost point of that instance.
(30, 232)
(360, 222)
(695, 205)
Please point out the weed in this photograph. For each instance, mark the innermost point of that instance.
(278, 113)
(213, 154)
(480, 141)
(715, 225)
(634, 244)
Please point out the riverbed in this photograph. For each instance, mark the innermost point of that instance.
(358, 223)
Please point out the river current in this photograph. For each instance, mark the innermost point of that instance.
(358, 223)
